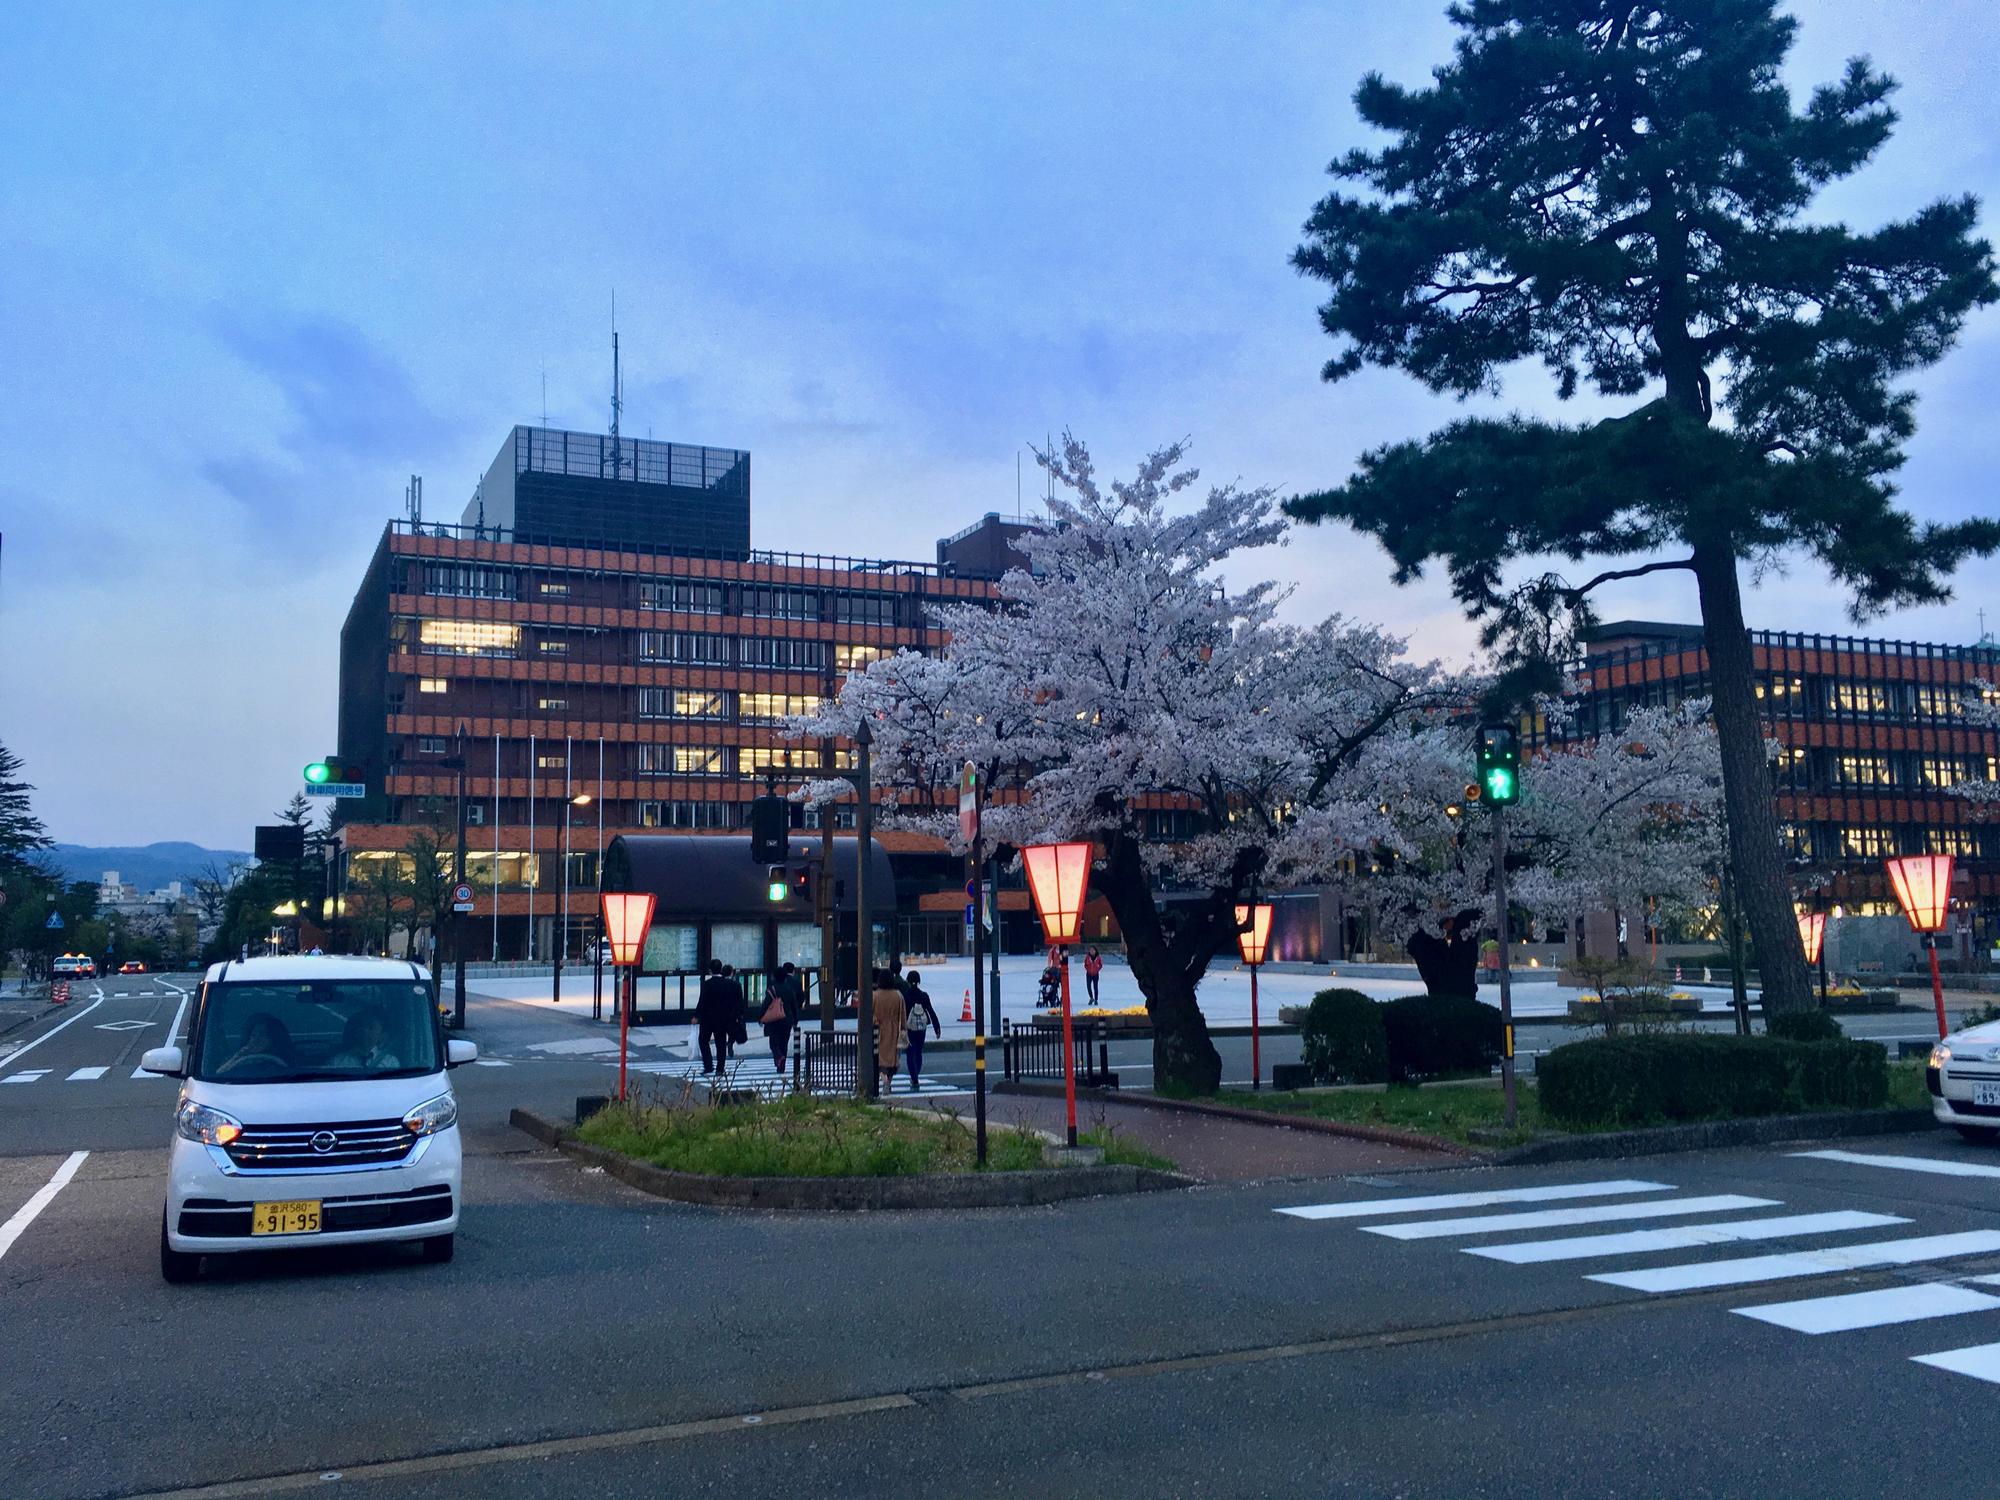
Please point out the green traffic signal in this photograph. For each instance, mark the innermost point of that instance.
(319, 773)
(1499, 764)
(1502, 785)
(777, 883)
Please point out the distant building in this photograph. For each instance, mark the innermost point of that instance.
(598, 625)
(1872, 736)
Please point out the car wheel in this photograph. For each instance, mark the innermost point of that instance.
(176, 1265)
(438, 1248)
(1979, 1135)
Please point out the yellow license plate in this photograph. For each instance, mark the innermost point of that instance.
(292, 1216)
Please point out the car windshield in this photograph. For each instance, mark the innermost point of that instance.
(324, 1029)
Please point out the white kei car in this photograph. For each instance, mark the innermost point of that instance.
(314, 1110)
(1964, 1080)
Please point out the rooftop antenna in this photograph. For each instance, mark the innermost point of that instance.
(413, 499)
(545, 393)
(617, 395)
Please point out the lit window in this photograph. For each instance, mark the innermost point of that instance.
(1949, 841)
(800, 760)
(469, 638)
(1867, 843)
(1943, 770)
(855, 658)
(697, 760)
(555, 590)
(433, 685)
(768, 708)
(550, 762)
(649, 815)
(552, 705)
(682, 703)
(1936, 702)
(1859, 697)
(1864, 770)
(552, 648)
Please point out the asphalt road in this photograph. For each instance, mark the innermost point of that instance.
(589, 1340)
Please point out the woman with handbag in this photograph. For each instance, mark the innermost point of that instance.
(781, 1013)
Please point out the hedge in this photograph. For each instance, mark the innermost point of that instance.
(1636, 1080)
(1803, 1026)
(1433, 1034)
(1342, 1039)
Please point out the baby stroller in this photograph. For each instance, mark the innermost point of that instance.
(1050, 994)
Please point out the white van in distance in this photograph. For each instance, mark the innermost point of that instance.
(315, 1111)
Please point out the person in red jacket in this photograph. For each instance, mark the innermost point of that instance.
(1093, 965)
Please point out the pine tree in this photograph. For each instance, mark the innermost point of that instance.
(1620, 190)
(21, 832)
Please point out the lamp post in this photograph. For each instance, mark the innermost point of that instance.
(458, 878)
(1923, 887)
(581, 799)
(626, 918)
(1058, 877)
(1812, 937)
(1253, 935)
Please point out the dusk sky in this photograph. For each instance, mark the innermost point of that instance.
(262, 263)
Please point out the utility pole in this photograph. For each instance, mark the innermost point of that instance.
(458, 877)
(1506, 980)
(968, 823)
(864, 932)
(829, 920)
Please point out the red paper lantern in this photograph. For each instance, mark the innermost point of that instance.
(1923, 886)
(1253, 931)
(1812, 933)
(1058, 877)
(626, 918)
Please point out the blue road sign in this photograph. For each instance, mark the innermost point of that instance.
(55, 922)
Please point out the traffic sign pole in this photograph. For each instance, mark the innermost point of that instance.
(968, 823)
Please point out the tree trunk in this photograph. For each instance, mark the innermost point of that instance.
(1448, 965)
(1763, 889)
(1183, 1055)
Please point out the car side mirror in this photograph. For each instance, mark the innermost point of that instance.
(457, 1053)
(165, 1060)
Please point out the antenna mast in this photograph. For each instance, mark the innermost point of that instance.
(617, 396)
(413, 499)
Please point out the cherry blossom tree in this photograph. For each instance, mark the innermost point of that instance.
(1119, 692)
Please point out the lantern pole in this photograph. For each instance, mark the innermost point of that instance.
(1069, 1056)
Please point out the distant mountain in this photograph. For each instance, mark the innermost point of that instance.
(148, 867)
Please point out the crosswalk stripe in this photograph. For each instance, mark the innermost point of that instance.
(85, 1075)
(1683, 1237)
(1980, 1361)
(491, 1062)
(1554, 1218)
(1804, 1262)
(1896, 1304)
(1370, 1207)
(28, 1077)
(1937, 1166)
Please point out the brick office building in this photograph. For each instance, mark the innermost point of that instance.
(1873, 733)
(597, 625)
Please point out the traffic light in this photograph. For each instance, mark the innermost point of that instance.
(777, 883)
(802, 882)
(770, 830)
(1499, 764)
(332, 771)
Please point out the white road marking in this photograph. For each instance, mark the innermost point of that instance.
(142, 1073)
(20, 1052)
(1555, 1218)
(1683, 1237)
(1896, 1304)
(1366, 1208)
(85, 1075)
(28, 1077)
(1805, 1262)
(490, 1062)
(1937, 1166)
(44, 1195)
(1981, 1361)
(174, 1026)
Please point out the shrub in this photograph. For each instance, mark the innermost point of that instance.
(1803, 1026)
(1343, 1040)
(1636, 1080)
(1433, 1034)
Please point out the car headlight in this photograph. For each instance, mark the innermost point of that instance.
(432, 1116)
(1940, 1055)
(211, 1127)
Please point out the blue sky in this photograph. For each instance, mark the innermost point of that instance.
(264, 262)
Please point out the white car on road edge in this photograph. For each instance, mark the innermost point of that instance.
(1964, 1080)
(314, 1110)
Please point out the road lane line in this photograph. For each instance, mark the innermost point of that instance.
(174, 1026)
(1937, 1166)
(31, 1076)
(1365, 1208)
(44, 1196)
(1683, 1237)
(1896, 1304)
(86, 1075)
(1981, 1361)
(1555, 1218)
(22, 1051)
(1804, 1263)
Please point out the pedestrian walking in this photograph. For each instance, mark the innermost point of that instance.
(738, 1010)
(712, 1016)
(781, 1013)
(920, 1016)
(1093, 965)
(892, 1016)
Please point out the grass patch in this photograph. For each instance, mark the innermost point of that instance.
(801, 1136)
(1906, 1085)
(1119, 1152)
(1441, 1109)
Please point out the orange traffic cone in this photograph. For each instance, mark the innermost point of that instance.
(965, 1016)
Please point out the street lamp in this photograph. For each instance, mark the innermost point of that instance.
(1058, 877)
(1812, 934)
(1253, 935)
(570, 804)
(626, 917)
(1923, 887)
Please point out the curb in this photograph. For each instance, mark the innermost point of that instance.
(28, 1020)
(1704, 1135)
(1386, 1135)
(1030, 1189)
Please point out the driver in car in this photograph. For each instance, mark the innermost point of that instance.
(266, 1045)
